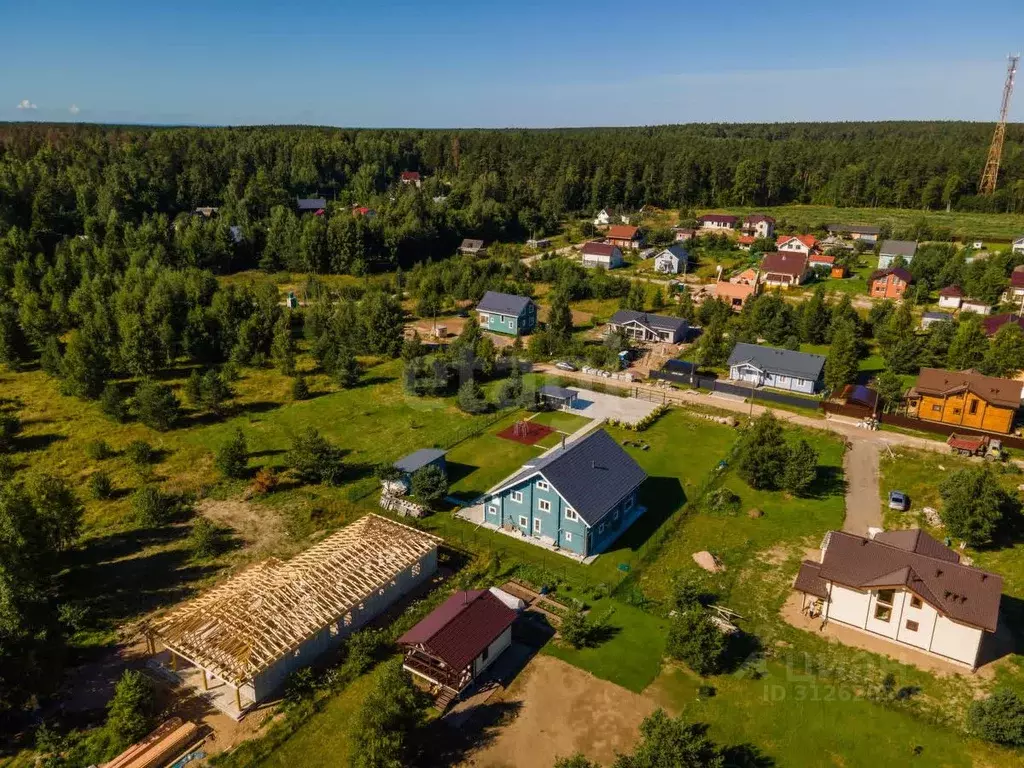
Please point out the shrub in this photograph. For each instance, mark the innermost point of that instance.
(8, 468)
(112, 403)
(204, 539)
(232, 457)
(140, 453)
(300, 389)
(98, 450)
(383, 729)
(430, 484)
(580, 631)
(999, 718)
(974, 505)
(763, 453)
(100, 486)
(315, 460)
(722, 501)
(801, 468)
(10, 426)
(264, 482)
(151, 507)
(157, 406)
(696, 641)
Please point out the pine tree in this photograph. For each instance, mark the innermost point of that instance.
(1005, 354)
(346, 368)
(763, 453)
(233, 456)
(801, 468)
(84, 367)
(842, 361)
(559, 324)
(815, 317)
(282, 349)
(967, 349)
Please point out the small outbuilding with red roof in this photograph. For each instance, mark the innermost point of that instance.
(459, 639)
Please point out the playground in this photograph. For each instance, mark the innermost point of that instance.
(526, 432)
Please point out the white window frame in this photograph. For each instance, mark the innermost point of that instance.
(542, 485)
(600, 528)
(571, 514)
(536, 524)
(568, 535)
(517, 497)
(543, 505)
(523, 522)
(491, 509)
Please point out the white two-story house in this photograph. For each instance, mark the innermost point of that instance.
(906, 587)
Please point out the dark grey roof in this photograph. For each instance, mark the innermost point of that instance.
(503, 303)
(472, 245)
(550, 390)
(937, 316)
(592, 474)
(311, 203)
(898, 248)
(662, 322)
(785, 361)
(676, 250)
(418, 459)
(854, 229)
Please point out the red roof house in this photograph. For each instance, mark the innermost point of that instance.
(624, 236)
(801, 243)
(783, 269)
(992, 324)
(459, 639)
(410, 177)
(889, 283)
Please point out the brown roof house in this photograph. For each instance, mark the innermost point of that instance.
(905, 587)
(889, 283)
(624, 236)
(991, 325)
(459, 639)
(784, 269)
(759, 225)
(1015, 290)
(602, 255)
(718, 221)
(737, 289)
(951, 297)
(965, 399)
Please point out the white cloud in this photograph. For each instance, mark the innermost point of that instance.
(73, 109)
(26, 104)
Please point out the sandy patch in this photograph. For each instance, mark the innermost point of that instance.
(564, 710)
(260, 529)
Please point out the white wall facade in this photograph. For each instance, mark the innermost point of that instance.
(494, 650)
(794, 246)
(950, 302)
(912, 621)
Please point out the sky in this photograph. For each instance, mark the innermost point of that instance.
(430, 64)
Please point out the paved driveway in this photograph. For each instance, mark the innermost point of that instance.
(595, 405)
(863, 507)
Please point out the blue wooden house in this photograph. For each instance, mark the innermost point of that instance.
(505, 313)
(579, 497)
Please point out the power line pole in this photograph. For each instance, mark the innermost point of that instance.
(995, 152)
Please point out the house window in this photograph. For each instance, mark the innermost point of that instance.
(542, 486)
(912, 625)
(937, 408)
(492, 510)
(956, 411)
(883, 606)
(485, 654)
(615, 514)
(974, 407)
(536, 525)
(568, 535)
(600, 529)
(517, 497)
(543, 505)
(523, 522)
(570, 514)
(915, 602)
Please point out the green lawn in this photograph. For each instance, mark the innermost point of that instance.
(561, 421)
(631, 656)
(796, 720)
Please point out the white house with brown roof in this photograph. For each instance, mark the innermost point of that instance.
(718, 221)
(804, 244)
(784, 269)
(602, 255)
(758, 225)
(906, 587)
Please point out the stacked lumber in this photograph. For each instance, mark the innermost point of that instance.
(158, 748)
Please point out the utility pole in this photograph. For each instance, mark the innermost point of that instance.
(995, 152)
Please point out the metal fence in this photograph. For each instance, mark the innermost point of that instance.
(713, 384)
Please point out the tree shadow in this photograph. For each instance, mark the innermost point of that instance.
(457, 471)
(207, 418)
(372, 381)
(746, 756)
(663, 497)
(37, 442)
(829, 481)
(739, 649)
(267, 452)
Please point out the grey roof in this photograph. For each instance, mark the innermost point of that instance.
(311, 203)
(898, 248)
(676, 250)
(470, 244)
(662, 322)
(550, 390)
(854, 229)
(418, 459)
(937, 316)
(593, 474)
(503, 303)
(785, 361)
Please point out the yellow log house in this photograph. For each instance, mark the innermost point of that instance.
(965, 399)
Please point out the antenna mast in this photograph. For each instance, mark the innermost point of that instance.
(995, 151)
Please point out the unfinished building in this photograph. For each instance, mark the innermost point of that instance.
(247, 635)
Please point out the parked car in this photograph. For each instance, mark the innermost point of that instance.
(562, 365)
(899, 500)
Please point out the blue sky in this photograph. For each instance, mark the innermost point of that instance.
(524, 63)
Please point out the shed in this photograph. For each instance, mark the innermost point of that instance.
(417, 460)
(559, 397)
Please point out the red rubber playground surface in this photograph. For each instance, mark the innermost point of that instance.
(526, 432)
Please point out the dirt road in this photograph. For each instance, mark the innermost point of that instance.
(863, 507)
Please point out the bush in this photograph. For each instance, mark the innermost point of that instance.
(696, 641)
(580, 631)
(999, 718)
(112, 403)
(131, 710)
(974, 505)
(232, 457)
(98, 450)
(204, 539)
(100, 486)
(140, 453)
(763, 454)
(384, 728)
(300, 389)
(315, 460)
(264, 482)
(10, 426)
(722, 501)
(151, 507)
(157, 406)
(801, 468)
(471, 397)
